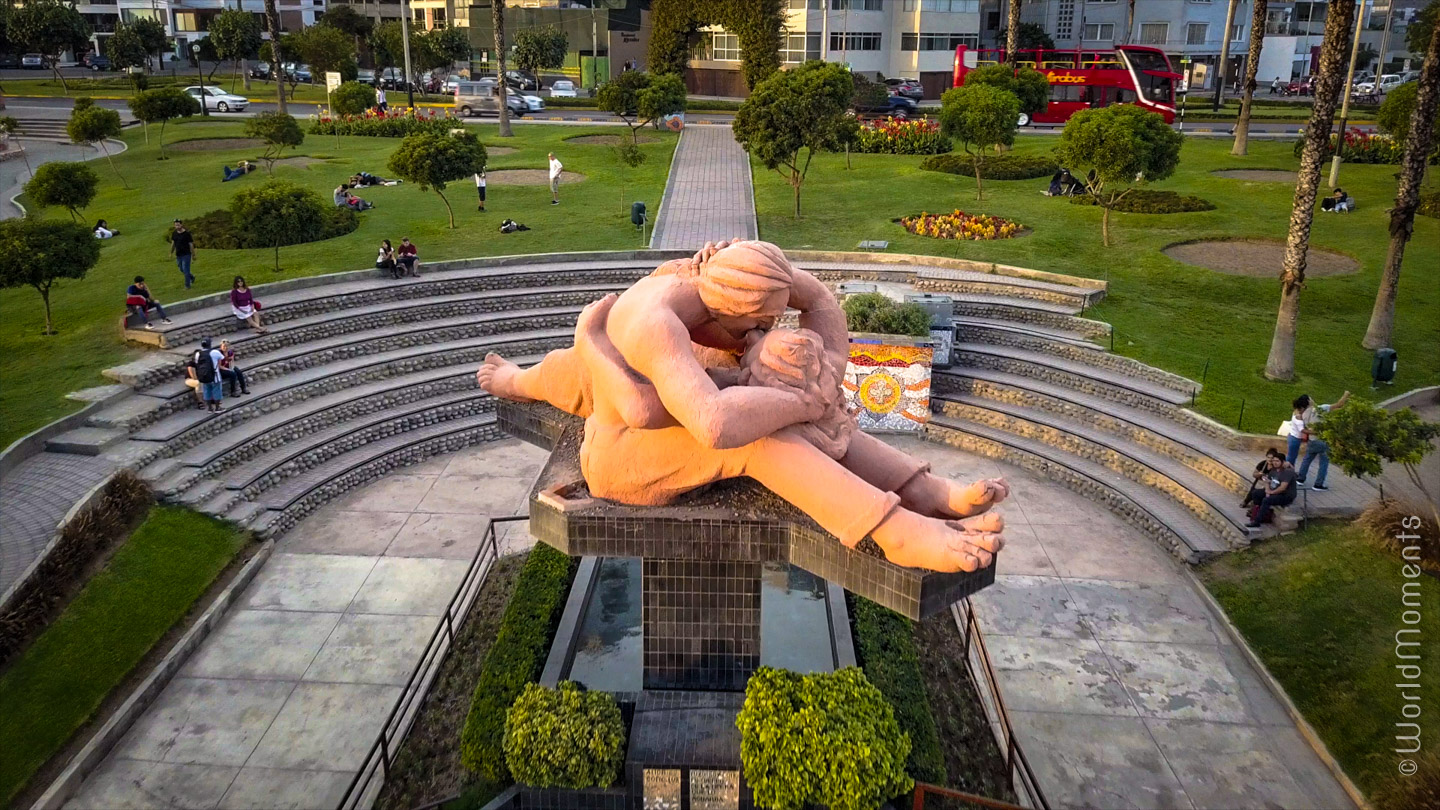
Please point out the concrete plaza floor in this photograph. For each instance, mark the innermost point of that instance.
(281, 703)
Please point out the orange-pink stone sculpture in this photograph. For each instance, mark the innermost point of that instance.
(683, 380)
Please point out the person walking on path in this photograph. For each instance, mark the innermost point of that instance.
(380, 102)
(1279, 491)
(480, 188)
(1275, 87)
(182, 247)
(138, 298)
(1315, 447)
(555, 168)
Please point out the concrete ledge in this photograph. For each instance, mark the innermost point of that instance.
(104, 739)
(954, 264)
(34, 442)
(1429, 395)
(95, 494)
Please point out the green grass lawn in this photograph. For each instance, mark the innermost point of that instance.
(1321, 609)
(150, 583)
(37, 371)
(1166, 313)
(119, 87)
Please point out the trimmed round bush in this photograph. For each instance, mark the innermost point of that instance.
(352, 98)
(874, 312)
(216, 230)
(996, 167)
(826, 739)
(1151, 201)
(564, 737)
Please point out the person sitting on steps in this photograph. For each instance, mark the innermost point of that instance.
(139, 300)
(1260, 478)
(1279, 491)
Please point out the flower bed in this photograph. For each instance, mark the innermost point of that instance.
(389, 124)
(960, 225)
(894, 136)
(1363, 147)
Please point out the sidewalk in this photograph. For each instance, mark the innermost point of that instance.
(708, 196)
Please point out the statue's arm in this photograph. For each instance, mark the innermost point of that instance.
(632, 396)
(719, 419)
(821, 313)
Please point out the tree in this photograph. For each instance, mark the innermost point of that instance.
(352, 98)
(89, 124)
(1030, 37)
(641, 98)
(276, 130)
(497, 19)
(277, 59)
(1029, 86)
(279, 213)
(125, 48)
(793, 111)
(48, 27)
(324, 49)
(69, 185)
(542, 48)
(1417, 33)
(1419, 140)
(1252, 66)
(1120, 144)
(1395, 111)
(758, 26)
(1280, 364)
(1364, 437)
(236, 36)
(386, 44)
(352, 22)
(1012, 33)
(152, 37)
(979, 115)
(53, 250)
(431, 160)
(444, 47)
(162, 104)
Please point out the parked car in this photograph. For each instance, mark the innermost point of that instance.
(260, 70)
(298, 73)
(1409, 76)
(393, 79)
(96, 62)
(533, 103)
(563, 88)
(894, 105)
(365, 76)
(522, 80)
(9, 61)
(213, 98)
(474, 98)
(32, 61)
(909, 88)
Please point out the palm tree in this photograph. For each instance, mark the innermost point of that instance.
(497, 10)
(1412, 171)
(1252, 66)
(1280, 365)
(277, 64)
(1012, 34)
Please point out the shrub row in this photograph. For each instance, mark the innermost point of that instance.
(565, 737)
(393, 124)
(997, 167)
(875, 312)
(515, 659)
(885, 645)
(1151, 201)
(894, 136)
(216, 230)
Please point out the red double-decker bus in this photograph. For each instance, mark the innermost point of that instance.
(1084, 79)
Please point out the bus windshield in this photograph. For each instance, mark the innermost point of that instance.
(1143, 60)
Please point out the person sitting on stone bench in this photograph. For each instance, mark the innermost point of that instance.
(138, 300)
(1260, 478)
(1279, 492)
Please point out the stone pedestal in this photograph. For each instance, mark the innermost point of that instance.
(702, 623)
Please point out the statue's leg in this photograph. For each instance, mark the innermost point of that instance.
(560, 379)
(896, 471)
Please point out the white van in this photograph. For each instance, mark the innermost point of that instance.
(474, 98)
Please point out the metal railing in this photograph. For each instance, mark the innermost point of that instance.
(923, 789)
(1022, 778)
(381, 754)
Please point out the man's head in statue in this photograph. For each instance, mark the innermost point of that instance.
(746, 286)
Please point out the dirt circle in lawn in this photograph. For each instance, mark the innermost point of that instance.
(492, 151)
(608, 140)
(1257, 258)
(529, 177)
(216, 144)
(1258, 175)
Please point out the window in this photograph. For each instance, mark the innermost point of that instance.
(947, 6)
(801, 5)
(800, 48)
(938, 42)
(1154, 33)
(437, 18)
(462, 15)
(1237, 32)
(726, 47)
(1100, 32)
(417, 15)
(867, 41)
(1196, 33)
(855, 5)
(185, 21)
(1065, 92)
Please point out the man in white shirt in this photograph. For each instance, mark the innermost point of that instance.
(555, 169)
(480, 188)
(380, 99)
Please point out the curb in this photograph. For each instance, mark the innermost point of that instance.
(1301, 724)
(93, 754)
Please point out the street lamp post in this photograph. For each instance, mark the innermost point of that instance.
(1345, 99)
(200, 71)
(405, 38)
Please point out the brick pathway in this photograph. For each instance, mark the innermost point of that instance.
(33, 498)
(708, 196)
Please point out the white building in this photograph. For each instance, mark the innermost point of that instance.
(187, 20)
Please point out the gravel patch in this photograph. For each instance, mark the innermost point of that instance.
(216, 144)
(529, 177)
(608, 140)
(1259, 175)
(1258, 259)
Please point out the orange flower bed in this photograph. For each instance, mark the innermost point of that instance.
(960, 225)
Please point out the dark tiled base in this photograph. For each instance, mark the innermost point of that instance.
(702, 623)
(736, 520)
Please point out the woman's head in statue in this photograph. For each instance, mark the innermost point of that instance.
(746, 286)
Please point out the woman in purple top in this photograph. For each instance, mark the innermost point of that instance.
(244, 305)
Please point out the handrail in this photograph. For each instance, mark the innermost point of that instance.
(1017, 764)
(924, 788)
(382, 752)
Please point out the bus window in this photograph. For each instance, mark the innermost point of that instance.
(1123, 95)
(1155, 88)
(1066, 92)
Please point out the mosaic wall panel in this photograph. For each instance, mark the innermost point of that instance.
(887, 383)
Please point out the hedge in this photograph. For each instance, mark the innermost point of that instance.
(877, 313)
(564, 737)
(216, 230)
(996, 167)
(1150, 201)
(515, 659)
(885, 645)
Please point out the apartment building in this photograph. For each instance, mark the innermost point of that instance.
(188, 20)
(914, 38)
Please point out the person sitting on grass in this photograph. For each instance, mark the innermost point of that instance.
(103, 230)
(241, 169)
(364, 179)
(343, 197)
(139, 300)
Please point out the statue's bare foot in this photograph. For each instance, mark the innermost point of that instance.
(916, 541)
(497, 375)
(940, 497)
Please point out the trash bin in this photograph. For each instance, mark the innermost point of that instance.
(637, 214)
(1382, 369)
(940, 307)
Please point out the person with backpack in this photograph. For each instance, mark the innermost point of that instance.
(206, 366)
